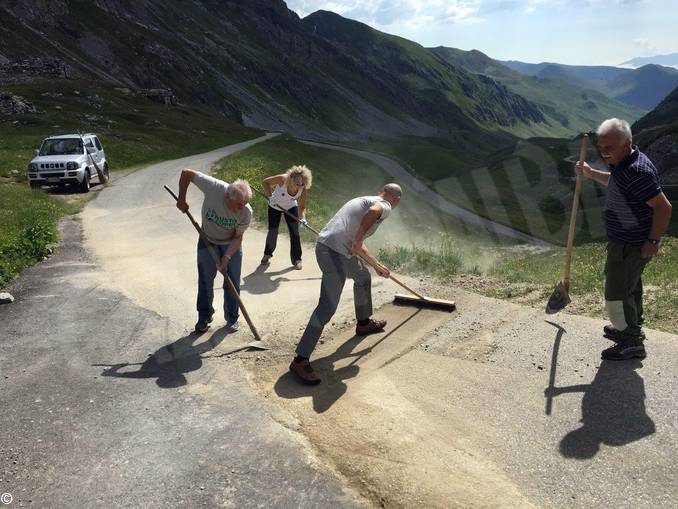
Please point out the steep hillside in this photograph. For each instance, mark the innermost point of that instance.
(642, 88)
(657, 135)
(565, 105)
(256, 61)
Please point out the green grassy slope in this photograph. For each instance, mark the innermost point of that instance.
(569, 106)
(338, 177)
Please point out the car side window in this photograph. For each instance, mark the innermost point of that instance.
(88, 142)
(98, 143)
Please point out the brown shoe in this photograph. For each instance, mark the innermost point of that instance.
(304, 372)
(370, 327)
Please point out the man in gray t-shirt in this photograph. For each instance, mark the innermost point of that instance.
(226, 215)
(337, 250)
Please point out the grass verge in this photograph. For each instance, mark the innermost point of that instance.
(338, 177)
(529, 278)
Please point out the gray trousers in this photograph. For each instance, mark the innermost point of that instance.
(336, 268)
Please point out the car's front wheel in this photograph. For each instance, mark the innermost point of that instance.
(84, 185)
(107, 175)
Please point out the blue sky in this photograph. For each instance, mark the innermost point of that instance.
(590, 32)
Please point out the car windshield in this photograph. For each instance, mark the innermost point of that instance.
(61, 146)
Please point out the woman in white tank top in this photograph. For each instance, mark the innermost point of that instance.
(288, 192)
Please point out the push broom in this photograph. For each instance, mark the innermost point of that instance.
(417, 300)
(258, 343)
(560, 296)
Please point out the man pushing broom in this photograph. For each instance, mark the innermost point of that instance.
(340, 244)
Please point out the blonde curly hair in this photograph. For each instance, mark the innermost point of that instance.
(299, 174)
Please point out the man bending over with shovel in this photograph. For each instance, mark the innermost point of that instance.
(337, 251)
(226, 215)
(636, 216)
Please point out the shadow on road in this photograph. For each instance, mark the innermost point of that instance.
(170, 362)
(613, 410)
(333, 384)
(260, 281)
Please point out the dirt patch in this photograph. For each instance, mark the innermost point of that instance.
(370, 420)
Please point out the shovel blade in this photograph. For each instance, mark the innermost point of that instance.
(558, 300)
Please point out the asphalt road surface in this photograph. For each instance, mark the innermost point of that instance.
(108, 399)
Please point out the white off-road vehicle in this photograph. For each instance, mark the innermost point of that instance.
(69, 159)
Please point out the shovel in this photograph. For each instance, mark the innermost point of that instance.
(257, 344)
(560, 296)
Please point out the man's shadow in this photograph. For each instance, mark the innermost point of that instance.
(169, 363)
(333, 384)
(613, 410)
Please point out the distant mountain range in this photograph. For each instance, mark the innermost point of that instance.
(643, 88)
(577, 107)
(257, 61)
(670, 60)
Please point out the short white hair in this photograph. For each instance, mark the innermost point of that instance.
(238, 190)
(615, 125)
(393, 189)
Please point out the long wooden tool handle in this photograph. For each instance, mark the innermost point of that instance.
(392, 277)
(215, 257)
(573, 215)
(363, 258)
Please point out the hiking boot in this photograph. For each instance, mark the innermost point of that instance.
(266, 259)
(617, 335)
(370, 327)
(624, 351)
(304, 373)
(297, 265)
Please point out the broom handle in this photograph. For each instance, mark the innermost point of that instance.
(363, 258)
(215, 257)
(573, 215)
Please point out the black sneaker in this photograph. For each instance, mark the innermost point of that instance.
(624, 351)
(617, 335)
(203, 325)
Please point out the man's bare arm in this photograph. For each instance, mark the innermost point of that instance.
(184, 180)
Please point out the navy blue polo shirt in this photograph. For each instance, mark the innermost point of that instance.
(633, 182)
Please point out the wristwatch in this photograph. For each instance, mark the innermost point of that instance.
(654, 242)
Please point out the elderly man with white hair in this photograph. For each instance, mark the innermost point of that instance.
(636, 215)
(226, 214)
(337, 252)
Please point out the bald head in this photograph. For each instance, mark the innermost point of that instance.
(391, 193)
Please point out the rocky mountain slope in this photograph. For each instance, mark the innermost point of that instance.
(253, 60)
(257, 62)
(657, 135)
(572, 106)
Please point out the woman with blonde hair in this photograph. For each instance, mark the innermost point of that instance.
(286, 192)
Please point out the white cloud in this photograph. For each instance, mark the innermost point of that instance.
(645, 46)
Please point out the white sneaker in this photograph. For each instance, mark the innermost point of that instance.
(266, 259)
(232, 327)
(298, 265)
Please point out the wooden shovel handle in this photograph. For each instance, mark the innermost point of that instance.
(573, 216)
(215, 257)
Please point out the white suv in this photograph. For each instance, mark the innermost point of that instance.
(68, 159)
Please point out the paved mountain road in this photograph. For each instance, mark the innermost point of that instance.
(108, 399)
